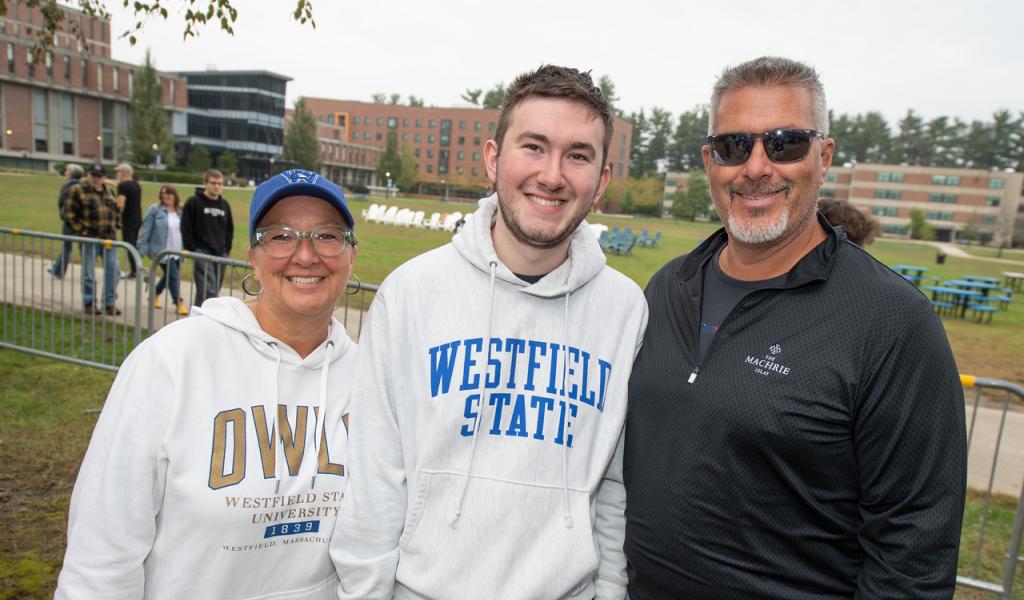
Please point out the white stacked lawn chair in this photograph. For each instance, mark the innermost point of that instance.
(435, 222)
(373, 214)
(449, 223)
(389, 215)
(403, 217)
(417, 219)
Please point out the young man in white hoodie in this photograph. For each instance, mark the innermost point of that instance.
(490, 393)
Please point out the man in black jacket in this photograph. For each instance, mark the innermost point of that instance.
(814, 445)
(129, 202)
(207, 228)
(72, 174)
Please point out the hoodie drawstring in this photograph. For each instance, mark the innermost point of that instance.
(270, 412)
(319, 416)
(567, 515)
(454, 516)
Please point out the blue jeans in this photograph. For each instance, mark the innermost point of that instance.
(171, 279)
(111, 274)
(60, 266)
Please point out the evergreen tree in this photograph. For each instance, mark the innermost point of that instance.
(150, 124)
(414, 101)
(638, 145)
(946, 141)
(495, 97)
(379, 98)
(408, 172)
(657, 146)
(608, 91)
(300, 140)
(198, 159)
(841, 130)
(472, 96)
(390, 159)
(912, 145)
(227, 162)
(691, 132)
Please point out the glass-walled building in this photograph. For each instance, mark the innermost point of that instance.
(241, 111)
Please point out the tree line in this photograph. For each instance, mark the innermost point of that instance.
(663, 143)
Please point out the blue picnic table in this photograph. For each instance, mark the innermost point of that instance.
(911, 273)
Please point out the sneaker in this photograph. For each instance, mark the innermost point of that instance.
(111, 310)
(92, 309)
(182, 310)
(157, 303)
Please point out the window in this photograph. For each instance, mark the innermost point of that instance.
(430, 168)
(405, 137)
(888, 194)
(330, 119)
(826, 193)
(992, 201)
(355, 135)
(380, 121)
(894, 229)
(419, 138)
(490, 126)
(392, 122)
(31, 64)
(355, 120)
(10, 58)
(462, 140)
(430, 153)
(989, 219)
(85, 72)
(67, 124)
(49, 66)
(884, 211)
(117, 80)
(67, 69)
(431, 124)
(419, 123)
(996, 184)
(99, 77)
(476, 156)
(937, 215)
(366, 135)
(460, 155)
(462, 124)
(833, 177)
(476, 141)
(430, 139)
(40, 121)
(943, 198)
(888, 176)
(458, 169)
(945, 180)
(379, 136)
(475, 171)
(131, 81)
(442, 161)
(405, 122)
(476, 126)
(416, 152)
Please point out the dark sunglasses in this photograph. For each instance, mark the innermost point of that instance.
(781, 145)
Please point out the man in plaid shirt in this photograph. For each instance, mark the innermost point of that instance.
(91, 211)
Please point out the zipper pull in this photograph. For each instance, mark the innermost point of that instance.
(693, 375)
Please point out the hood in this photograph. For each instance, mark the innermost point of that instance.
(235, 314)
(474, 243)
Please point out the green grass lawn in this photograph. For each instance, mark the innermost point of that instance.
(981, 349)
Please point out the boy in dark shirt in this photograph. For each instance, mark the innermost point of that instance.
(207, 228)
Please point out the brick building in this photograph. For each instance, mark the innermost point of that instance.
(953, 200)
(73, 105)
(344, 162)
(446, 142)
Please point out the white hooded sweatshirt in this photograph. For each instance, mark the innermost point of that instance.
(531, 506)
(183, 493)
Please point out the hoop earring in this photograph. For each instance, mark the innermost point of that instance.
(357, 289)
(245, 285)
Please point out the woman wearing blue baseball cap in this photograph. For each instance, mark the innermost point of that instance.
(217, 467)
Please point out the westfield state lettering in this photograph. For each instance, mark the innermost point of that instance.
(533, 388)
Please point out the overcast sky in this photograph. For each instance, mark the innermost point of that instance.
(940, 57)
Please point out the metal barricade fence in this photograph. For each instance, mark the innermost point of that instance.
(989, 561)
(44, 312)
(45, 315)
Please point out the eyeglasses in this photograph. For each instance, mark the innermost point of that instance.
(781, 145)
(282, 242)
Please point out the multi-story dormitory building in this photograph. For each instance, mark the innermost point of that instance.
(73, 105)
(989, 202)
(347, 163)
(446, 142)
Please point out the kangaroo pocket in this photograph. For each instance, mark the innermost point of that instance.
(509, 542)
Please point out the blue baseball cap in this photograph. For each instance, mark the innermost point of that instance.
(296, 182)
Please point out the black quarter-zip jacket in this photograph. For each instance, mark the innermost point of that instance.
(818, 451)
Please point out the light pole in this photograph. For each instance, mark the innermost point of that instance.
(387, 194)
(156, 155)
(444, 182)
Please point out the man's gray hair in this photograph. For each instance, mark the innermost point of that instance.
(771, 71)
(73, 171)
